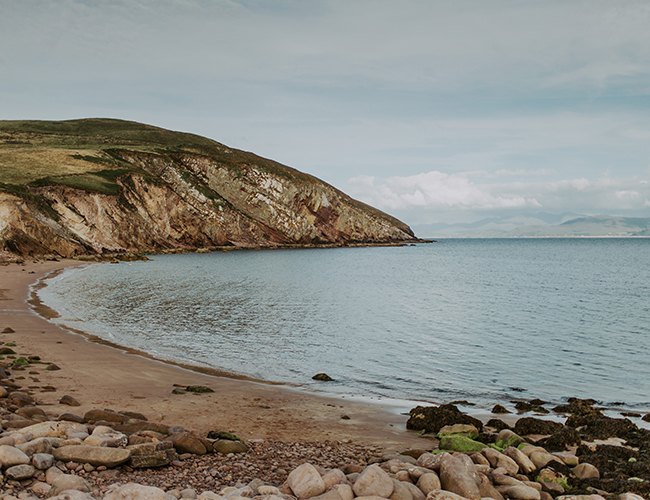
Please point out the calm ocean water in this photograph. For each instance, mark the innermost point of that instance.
(479, 320)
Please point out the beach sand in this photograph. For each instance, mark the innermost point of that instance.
(105, 377)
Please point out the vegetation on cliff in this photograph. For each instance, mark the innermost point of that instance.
(98, 186)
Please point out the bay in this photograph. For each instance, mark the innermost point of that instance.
(485, 321)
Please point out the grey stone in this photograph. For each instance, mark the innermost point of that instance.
(68, 482)
(20, 472)
(42, 461)
(38, 445)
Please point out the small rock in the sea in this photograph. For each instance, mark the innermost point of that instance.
(323, 377)
(345, 417)
(52, 367)
(6, 351)
(499, 409)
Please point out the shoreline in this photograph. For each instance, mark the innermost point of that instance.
(111, 376)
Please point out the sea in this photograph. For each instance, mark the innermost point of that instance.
(475, 321)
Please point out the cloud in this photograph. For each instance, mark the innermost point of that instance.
(438, 191)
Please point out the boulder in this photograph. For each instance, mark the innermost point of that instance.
(400, 491)
(42, 461)
(149, 455)
(20, 472)
(333, 477)
(38, 445)
(530, 425)
(431, 461)
(225, 446)
(526, 466)
(586, 471)
(108, 457)
(69, 400)
(104, 416)
(507, 438)
(455, 477)
(66, 482)
(508, 464)
(105, 436)
(10, 456)
(373, 481)
(523, 492)
(465, 429)
(429, 482)
(137, 492)
(328, 495)
(458, 442)
(53, 429)
(305, 482)
(345, 491)
(186, 442)
(489, 491)
(444, 495)
(432, 419)
(416, 493)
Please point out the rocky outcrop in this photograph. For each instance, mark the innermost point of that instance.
(186, 200)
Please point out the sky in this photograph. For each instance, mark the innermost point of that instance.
(432, 110)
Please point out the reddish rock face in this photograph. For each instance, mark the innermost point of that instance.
(190, 201)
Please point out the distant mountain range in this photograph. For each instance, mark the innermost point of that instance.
(541, 225)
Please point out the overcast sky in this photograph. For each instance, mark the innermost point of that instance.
(431, 110)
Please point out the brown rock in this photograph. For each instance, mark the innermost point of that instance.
(373, 481)
(69, 400)
(455, 477)
(104, 415)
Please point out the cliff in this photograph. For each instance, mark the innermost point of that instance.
(101, 186)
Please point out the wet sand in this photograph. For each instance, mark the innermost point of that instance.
(101, 376)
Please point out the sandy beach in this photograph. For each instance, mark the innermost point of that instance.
(100, 376)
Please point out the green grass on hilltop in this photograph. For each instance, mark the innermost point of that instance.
(72, 152)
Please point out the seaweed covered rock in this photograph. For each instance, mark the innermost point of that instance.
(561, 440)
(432, 419)
(597, 426)
(530, 425)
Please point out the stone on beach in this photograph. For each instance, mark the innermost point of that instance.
(66, 482)
(373, 481)
(429, 482)
(524, 463)
(137, 492)
(306, 482)
(108, 457)
(20, 472)
(455, 477)
(53, 429)
(10, 456)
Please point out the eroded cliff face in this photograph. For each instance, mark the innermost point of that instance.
(189, 201)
